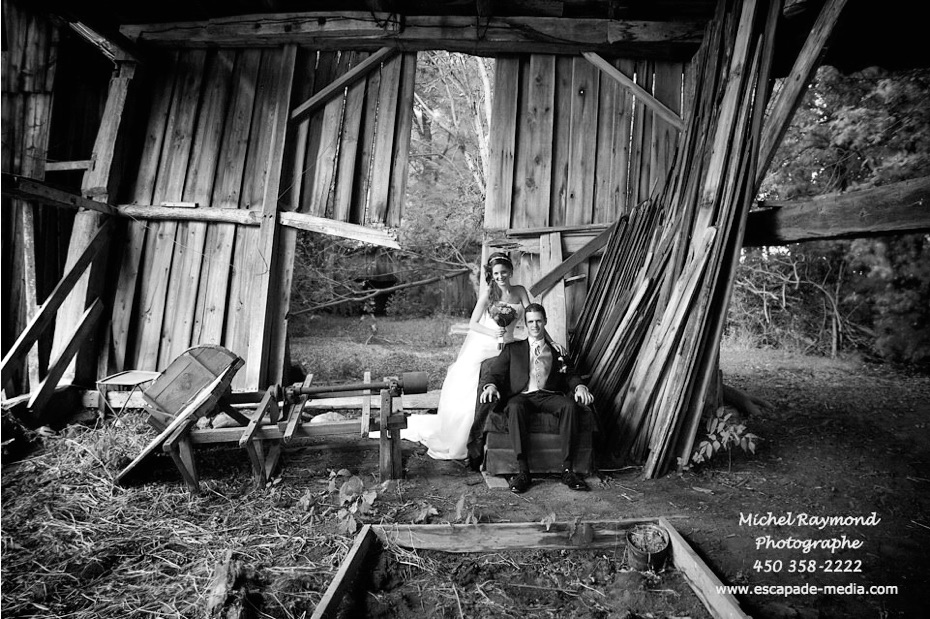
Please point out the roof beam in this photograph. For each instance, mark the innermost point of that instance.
(477, 35)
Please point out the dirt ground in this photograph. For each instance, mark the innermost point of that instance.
(845, 439)
(843, 460)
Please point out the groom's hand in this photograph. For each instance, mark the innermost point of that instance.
(489, 394)
(583, 396)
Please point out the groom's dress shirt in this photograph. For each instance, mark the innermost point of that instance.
(540, 365)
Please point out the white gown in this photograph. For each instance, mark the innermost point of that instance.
(446, 432)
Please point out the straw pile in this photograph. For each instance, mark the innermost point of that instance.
(75, 545)
(650, 328)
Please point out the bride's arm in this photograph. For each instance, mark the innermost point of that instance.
(480, 308)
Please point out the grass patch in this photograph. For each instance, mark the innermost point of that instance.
(341, 349)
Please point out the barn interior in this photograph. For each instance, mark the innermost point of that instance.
(159, 158)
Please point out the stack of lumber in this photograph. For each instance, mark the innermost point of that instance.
(650, 327)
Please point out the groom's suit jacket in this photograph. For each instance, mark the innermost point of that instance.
(510, 372)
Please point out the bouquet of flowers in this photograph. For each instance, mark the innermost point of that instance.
(503, 315)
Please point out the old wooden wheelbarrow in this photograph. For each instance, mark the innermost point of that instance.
(197, 383)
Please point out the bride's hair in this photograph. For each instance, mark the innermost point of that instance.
(494, 293)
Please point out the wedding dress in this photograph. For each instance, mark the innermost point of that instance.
(446, 432)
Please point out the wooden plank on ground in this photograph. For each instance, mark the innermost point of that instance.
(534, 176)
(605, 535)
(702, 580)
(57, 367)
(384, 141)
(212, 305)
(266, 287)
(499, 194)
(348, 571)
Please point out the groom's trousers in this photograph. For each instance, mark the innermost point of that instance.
(520, 406)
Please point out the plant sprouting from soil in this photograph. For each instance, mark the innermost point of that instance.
(724, 433)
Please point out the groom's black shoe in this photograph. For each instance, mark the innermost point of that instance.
(474, 463)
(520, 483)
(573, 481)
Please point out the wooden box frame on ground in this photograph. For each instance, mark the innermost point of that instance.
(594, 535)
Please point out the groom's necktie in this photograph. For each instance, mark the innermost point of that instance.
(540, 363)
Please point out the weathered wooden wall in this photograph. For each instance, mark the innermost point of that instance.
(211, 140)
(570, 146)
(29, 66)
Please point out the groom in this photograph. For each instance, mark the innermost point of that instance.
(529, 377)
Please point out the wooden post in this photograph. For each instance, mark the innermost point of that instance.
(266, 288)
(98, 182)
(384, 439)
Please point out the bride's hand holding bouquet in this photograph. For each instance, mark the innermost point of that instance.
(503, 315)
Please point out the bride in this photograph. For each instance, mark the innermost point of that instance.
(446, 433)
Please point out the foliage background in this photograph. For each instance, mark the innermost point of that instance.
(870, 295)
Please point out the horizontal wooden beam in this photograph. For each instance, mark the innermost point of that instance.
(638, 91)
(244, 217)
(65, 166)
(46, 313)
(362, 68)
(483, 36)
(890, 209)
(25, 188)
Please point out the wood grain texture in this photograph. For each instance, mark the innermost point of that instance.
(499, 196)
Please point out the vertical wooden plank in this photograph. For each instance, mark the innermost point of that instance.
(143, 189)
(324, 166)
(561, 142)
(349, 149)
(620, 165)
(221, 238)
(296, 152)
(384, 141)
(169, 186)
(240, 299)
(323, 75)
(667, 90)
(266, 285)
(580, 198)
(403, 126)
(359, 214)
(608, 118)
(550, 256)
(180, 308)
(642, 134)
(499, 193)
(533, 179)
